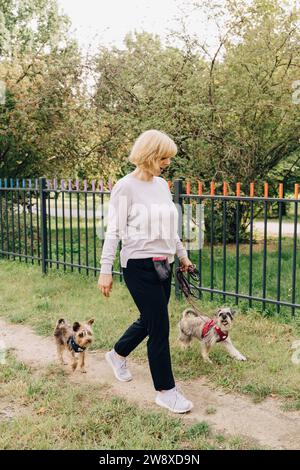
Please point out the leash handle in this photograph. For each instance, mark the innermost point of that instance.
(191, 269)
(183, 283)
(185, 287)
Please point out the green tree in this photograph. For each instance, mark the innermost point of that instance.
(45, 121)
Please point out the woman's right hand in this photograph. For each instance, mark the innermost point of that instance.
(105, 282)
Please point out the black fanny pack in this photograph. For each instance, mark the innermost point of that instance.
(162, 267)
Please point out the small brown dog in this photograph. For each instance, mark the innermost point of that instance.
(75, 340)
(208, 331)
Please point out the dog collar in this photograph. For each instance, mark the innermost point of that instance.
(73, 345)
(212, 324)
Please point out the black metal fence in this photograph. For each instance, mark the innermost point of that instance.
(239, 258)
(278, 277)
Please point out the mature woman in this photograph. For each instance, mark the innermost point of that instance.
(142, 214)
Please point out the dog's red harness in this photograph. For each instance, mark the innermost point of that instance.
(212, 324)
(184, 285)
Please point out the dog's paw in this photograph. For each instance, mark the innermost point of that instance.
(241, 358)
(83, 371)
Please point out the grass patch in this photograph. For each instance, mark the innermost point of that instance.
(49, 414)
(199, 429)
(31, 298)
(292, 406)
(80, 241)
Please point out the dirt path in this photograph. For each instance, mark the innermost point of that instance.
(264, 424)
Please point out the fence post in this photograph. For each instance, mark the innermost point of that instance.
(179, 207)
(43, 223)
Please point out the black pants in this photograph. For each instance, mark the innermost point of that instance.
(151, 297)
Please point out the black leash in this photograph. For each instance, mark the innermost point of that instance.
(184, 285)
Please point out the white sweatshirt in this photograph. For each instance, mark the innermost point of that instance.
(141, 214)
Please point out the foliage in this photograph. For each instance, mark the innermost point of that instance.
(42, 130)
(229, 108)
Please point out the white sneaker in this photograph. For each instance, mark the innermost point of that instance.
(173, 401)
(118, 366)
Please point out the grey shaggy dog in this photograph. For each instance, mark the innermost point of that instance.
(208, 331)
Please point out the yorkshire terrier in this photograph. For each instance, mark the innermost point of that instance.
(74, 339)
(208, 331)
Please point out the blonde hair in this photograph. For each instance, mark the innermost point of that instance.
(149, 147)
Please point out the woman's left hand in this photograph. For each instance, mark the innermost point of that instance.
(185, 263)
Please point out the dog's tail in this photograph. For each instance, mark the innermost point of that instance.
(60, 325)
(189, 312)
(184, 326)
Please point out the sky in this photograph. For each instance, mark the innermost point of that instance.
(108, 21)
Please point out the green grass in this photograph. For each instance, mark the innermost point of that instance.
(83, 247)
(257, 272)
(86, 250)
(46, 413)
(29, 297)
